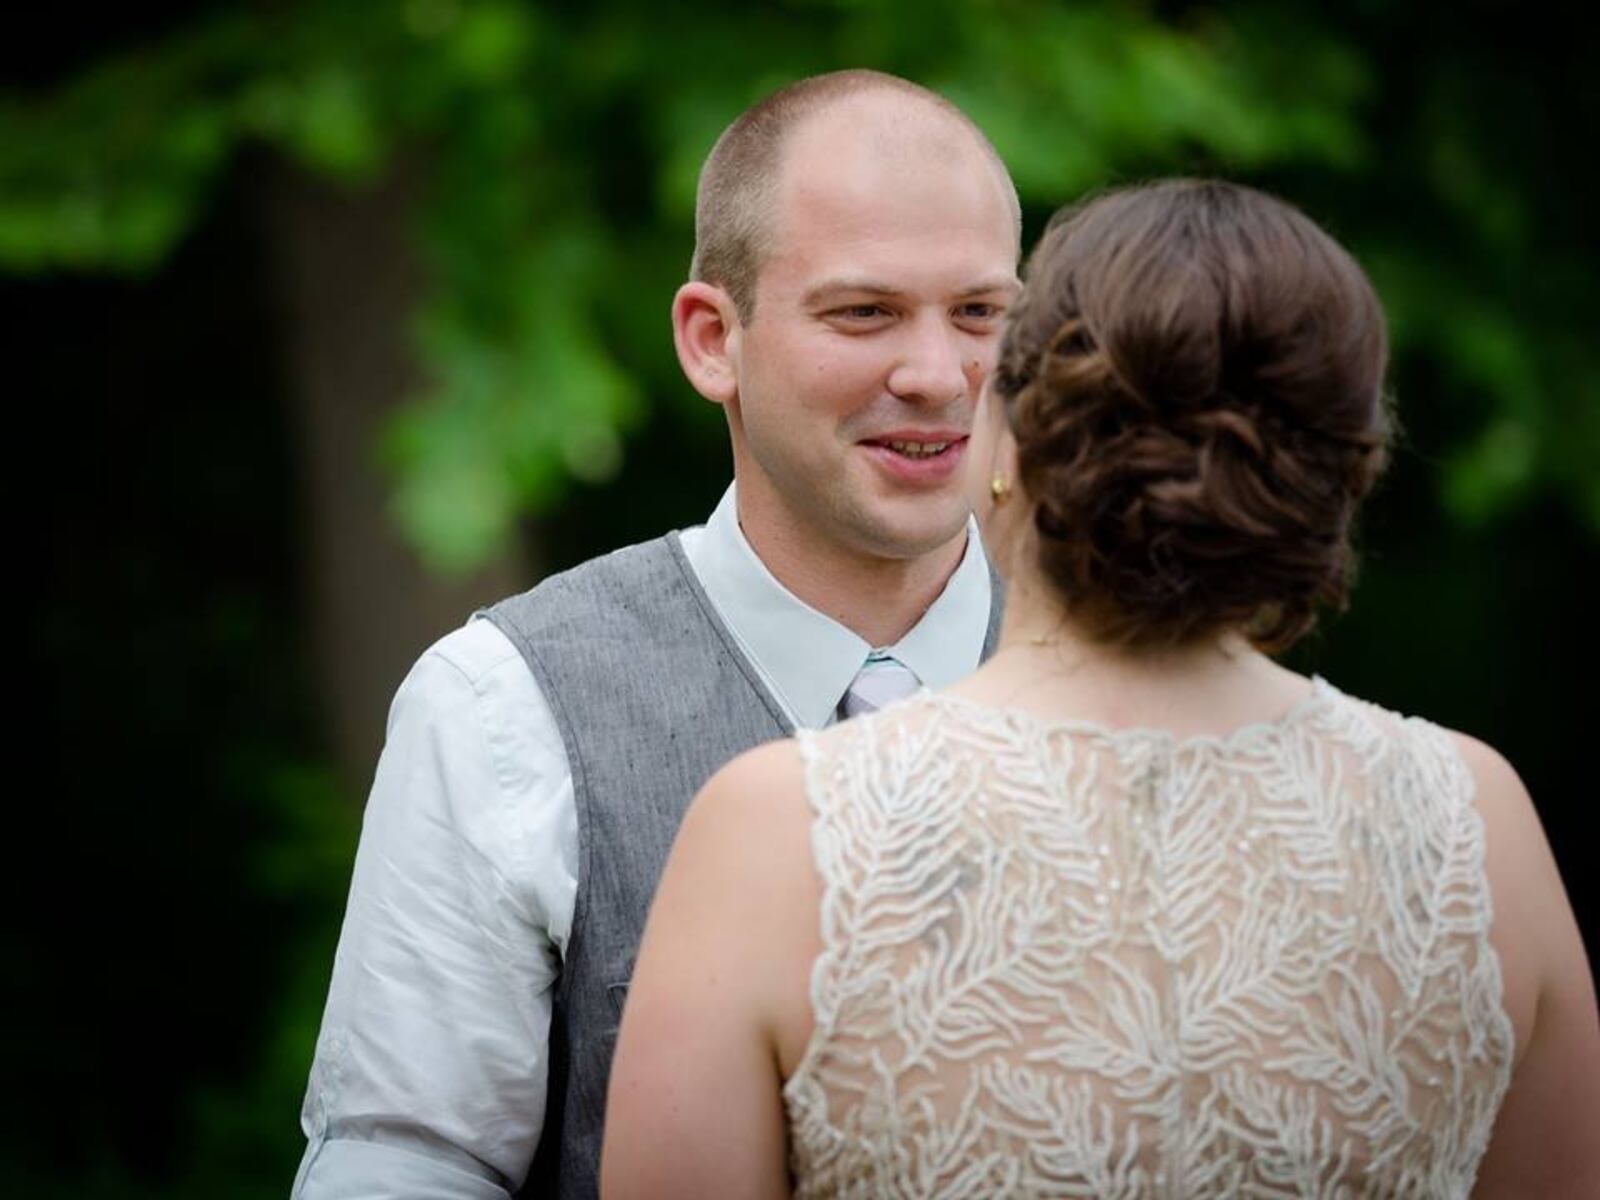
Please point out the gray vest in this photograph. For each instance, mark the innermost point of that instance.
(651, 695)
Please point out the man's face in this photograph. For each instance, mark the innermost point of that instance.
(877, 316)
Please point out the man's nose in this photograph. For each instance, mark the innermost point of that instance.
(933, 365)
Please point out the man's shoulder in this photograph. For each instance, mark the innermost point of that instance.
(475, 652)
(619, 578)
(656, 554)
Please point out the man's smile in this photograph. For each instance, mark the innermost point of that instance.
(917, 457)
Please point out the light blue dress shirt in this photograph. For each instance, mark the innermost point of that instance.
(430, 1070)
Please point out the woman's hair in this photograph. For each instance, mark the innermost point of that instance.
(1194, 377)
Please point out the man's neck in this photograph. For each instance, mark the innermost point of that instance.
(879, 599)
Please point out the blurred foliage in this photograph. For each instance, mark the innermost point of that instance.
(560, 143)
(563, 140)
(186, 849)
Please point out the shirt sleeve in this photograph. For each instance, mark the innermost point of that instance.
(430, 1070)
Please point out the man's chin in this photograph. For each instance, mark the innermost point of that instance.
(906, 537)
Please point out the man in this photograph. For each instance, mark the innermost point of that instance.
(856, 248)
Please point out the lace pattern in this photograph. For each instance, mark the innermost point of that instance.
(1060, 960)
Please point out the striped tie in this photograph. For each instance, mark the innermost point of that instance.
(881, 681)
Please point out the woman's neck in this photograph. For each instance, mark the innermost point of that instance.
(1049, 665)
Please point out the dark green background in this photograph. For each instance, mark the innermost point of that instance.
(208, 211)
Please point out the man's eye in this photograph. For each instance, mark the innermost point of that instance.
(859, 312)
(980, 312)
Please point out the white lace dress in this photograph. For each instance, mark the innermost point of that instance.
(1064, 961)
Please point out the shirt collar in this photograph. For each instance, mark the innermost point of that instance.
(808, 659)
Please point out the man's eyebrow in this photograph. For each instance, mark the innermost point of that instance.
(1009, 284)
(849, 286)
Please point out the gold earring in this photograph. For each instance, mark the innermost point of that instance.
(1000, 489)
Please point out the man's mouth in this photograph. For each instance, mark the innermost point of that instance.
(918, 449)
(926, 447)
(916, 458)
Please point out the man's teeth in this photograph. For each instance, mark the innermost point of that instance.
(919, 449)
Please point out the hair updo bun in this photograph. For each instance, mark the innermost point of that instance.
(1194, 378)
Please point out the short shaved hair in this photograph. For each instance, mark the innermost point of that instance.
(739, 181)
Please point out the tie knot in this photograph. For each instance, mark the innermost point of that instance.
(881, 680)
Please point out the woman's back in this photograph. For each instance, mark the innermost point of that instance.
(1061, 960)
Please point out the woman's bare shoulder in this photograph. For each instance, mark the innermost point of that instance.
(1542, 1144)
(1533, 930)
(1497, 780)
(761, 785)
(749, 825)
(1517, 849)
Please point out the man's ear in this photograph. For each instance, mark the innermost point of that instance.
(705, 330)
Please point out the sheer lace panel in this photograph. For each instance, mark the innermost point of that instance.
(1064, 961)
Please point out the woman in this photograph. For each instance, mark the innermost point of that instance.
(1133, 911)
